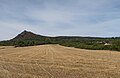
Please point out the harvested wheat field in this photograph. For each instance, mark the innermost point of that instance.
(55, 61)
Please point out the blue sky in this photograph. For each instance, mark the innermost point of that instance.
(60, 17)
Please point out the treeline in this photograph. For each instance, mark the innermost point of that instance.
(104, 44)
(83, 43)
(23, 43)
(27, 42)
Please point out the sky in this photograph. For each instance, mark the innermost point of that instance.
(98, 18)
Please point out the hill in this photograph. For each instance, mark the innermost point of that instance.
(27, 38)
(26, 35)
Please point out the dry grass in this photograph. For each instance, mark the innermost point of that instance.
(55, 61)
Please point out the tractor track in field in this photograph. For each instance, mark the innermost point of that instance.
(55, 61)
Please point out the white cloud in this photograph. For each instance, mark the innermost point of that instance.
(60, 17)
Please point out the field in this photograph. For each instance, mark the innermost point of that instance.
(55, 61)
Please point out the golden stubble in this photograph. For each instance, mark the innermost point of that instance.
(55, 61)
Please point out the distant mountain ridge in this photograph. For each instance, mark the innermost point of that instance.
(30, 35)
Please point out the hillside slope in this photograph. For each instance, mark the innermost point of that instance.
(26, 35)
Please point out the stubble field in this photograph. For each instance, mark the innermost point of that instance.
(55, 61)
